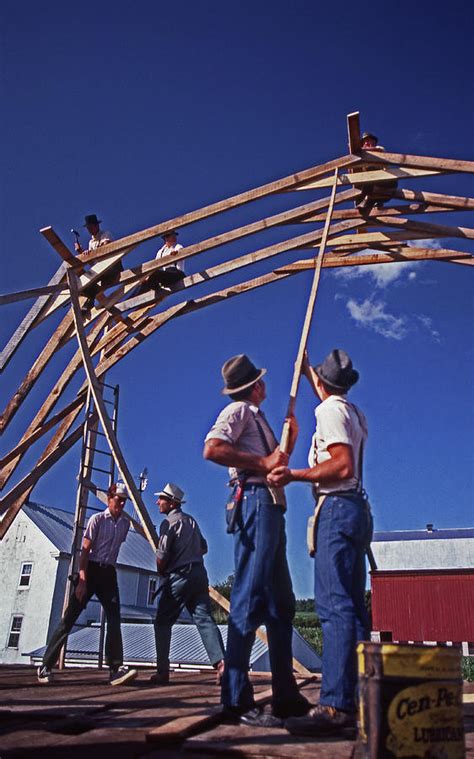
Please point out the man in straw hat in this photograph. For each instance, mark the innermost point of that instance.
(184, 583)
(242, 439)
(342, 535)
(105, 533)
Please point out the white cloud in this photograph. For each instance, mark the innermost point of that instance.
(372, 314)
(430, 243)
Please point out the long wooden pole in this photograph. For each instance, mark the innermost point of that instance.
(285, 435)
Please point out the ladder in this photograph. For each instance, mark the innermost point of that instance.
(92, 466)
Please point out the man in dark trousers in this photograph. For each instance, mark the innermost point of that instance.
(242, 439)
(184, 583)
(105, 533)
(342, 536)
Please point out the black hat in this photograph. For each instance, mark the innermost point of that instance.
(168, 233)
(336, 371)
(239, 373)
(369, 134)
(91, 219)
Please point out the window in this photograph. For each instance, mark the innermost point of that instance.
(14, 637)
(152, 583)
(25, 575)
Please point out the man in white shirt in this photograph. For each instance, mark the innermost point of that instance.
(172, 273)
(342, 536)
(98, 238)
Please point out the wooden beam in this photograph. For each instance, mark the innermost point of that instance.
(105, 421)
(418, 161)
(223, 205)
(406, 254)
(450, 201)
(369, 177)
(430, 230)
(29, 321)
(366, 238)
(353, 132)
(12, 502)
(285, 436)
(356, 213)
(28, 294)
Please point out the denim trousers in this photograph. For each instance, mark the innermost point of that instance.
(102, 582)
(262, 594)
(188, 587)
(344, 532)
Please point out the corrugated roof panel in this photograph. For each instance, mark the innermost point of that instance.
(445, 534)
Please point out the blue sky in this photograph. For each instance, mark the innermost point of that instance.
(142, 113)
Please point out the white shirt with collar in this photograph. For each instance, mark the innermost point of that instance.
(102, 238)
(338, 421)
(167, 250)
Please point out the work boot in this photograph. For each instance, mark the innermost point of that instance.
(321, 720)
(296, 708)
(44, 675)
(160, 678)
(258, 716)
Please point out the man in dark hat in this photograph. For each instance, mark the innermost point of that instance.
(342, 535)
(242, 439)
(183, 583)
(98, 238)
(378, 193)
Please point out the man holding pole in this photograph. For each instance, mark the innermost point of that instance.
(242, 439)
(341, 538)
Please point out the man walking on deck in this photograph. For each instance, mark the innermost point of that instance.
(184, 583)
(342, 536)
(242, 439)
(105, 533)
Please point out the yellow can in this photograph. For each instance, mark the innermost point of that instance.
(410, 701)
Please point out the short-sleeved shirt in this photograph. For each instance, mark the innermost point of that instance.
(338, 421)
(181, 541)
(238, 424)
(101, 239)
(167, 250)
(107, 535)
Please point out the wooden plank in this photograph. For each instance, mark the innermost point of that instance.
(367, 238)
(34, 372)
(451, 201)
(285, 436)
(139, 272)
(28, 294)
(404, 254)
(369, 177)
(12, 502)
(106, 423)
(353, 132)
(356, 213)
(430, 230)
(29, 321)
(53, 396)
(420, 161)
(223, 205)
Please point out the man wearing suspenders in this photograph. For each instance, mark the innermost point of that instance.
(242, 439)
(343, 532)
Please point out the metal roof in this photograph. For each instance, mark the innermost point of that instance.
(57, 525)
(139, 645)
(444, 534)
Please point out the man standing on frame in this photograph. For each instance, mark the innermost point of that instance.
(242, 439)
(343, 532)
(184, 583)
(105, 533)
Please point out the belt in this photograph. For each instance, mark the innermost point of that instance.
(101, 564)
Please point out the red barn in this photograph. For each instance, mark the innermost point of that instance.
(423, 590)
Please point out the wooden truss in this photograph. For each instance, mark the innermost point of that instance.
(122, 318)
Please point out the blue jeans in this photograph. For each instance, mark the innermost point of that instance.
(344, 532)
(262, 594)
(188, 587)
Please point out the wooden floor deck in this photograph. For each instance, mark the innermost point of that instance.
(81, 715)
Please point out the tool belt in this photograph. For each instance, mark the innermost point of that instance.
(233, 509)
